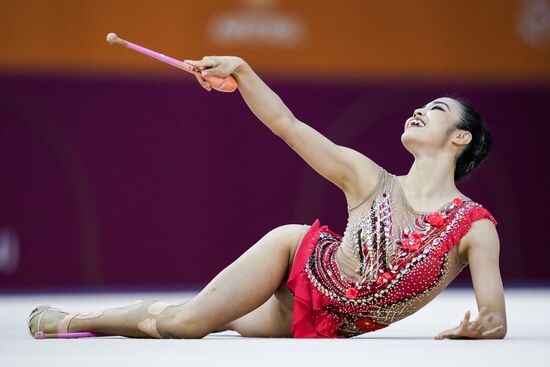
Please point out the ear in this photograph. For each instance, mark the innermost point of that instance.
(462, 137)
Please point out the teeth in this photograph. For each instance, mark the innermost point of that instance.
(417, 123)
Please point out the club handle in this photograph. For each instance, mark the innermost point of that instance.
(227, 84)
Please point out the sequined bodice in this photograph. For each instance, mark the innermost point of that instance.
(398, 257)
(381, 232)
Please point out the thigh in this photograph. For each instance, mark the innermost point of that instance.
(294, 250)
(246, 284)
(272, 319)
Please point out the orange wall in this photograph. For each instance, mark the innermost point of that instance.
(346, 37)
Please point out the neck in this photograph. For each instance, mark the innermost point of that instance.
(431, 179)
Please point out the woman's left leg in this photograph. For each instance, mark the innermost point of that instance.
(272, 319)
(243, 286)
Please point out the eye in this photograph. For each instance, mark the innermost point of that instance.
(438, 108)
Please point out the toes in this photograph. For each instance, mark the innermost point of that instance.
(43, 319)
(37, 311)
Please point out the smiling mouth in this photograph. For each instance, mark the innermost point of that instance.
(416, 123)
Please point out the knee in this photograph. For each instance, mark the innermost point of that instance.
(175, 325)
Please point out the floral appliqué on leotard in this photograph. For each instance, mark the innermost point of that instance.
(399, 254)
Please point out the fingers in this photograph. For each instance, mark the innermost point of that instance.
(215, 71)
(494, 330)
(203, 83)
(190, 68)
(474, 329)
(482, 313)
(465, 320)
(450, 333)
(482, 319)
(210, 66)
(206, 62)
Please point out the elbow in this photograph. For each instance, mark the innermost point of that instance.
(285, 128)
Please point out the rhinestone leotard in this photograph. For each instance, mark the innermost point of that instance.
(399, 259)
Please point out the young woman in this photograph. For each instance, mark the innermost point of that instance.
(406, 239)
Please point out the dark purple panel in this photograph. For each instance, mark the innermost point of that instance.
(141, 182)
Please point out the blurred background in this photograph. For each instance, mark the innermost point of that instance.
(119, 172)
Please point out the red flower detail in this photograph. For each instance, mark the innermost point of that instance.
(436, 219)
(457, 201)
(351, 293)
(384, 278)
(412, 242)
(368, 324)
(409, 247)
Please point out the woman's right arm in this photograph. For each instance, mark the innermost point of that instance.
(351, 171)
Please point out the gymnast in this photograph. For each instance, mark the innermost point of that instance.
(407, 237)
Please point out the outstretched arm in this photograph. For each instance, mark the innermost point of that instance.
(351, 171)
(482, 246)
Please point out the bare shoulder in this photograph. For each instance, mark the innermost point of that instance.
(363, 165)
(482, 238)
(364, 177)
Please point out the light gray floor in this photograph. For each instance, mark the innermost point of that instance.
(406, 343)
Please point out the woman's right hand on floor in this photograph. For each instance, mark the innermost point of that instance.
(220, 66)
(481, 328)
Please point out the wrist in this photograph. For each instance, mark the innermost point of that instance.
(242, 66)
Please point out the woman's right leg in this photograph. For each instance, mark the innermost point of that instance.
(240, 288)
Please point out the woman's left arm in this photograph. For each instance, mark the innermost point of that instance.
(482, 247)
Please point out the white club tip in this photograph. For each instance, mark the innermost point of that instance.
(112, 38)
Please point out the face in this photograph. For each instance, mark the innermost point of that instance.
(432, 128)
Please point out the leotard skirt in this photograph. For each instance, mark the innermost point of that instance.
(309, 319)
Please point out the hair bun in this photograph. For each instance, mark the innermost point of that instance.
(480, 145)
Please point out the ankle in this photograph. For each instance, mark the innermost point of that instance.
(151, 318)
(80, 321)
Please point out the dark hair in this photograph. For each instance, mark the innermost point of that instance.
(480, 145)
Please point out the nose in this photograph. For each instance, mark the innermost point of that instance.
(417, 112)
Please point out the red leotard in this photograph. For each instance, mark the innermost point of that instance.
(400, 255)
